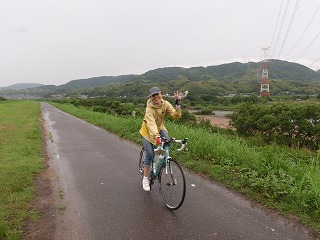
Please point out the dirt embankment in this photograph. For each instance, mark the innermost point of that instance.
(222, 122)
(46, 198)
(219, 118)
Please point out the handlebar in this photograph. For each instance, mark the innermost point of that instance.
(172, 140)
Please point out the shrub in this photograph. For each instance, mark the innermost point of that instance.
(292, 125)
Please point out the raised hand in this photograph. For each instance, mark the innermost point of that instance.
(178, 99)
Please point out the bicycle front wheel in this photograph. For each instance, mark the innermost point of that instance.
(172, 185)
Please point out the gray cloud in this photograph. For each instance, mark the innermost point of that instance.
(55, 41)
(20, 29)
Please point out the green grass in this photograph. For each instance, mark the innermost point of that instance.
(20, 159)
(284, 179)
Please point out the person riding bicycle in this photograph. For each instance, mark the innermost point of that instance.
(153, 129)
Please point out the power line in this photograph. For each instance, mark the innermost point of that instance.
(314, 62)
(314, 15)
(308, 46)
(289, 27)
(271, 63)
(275, 29)
(280, 30)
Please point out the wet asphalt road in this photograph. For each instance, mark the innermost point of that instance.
(103, 196)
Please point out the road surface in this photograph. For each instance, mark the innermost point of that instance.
(101, 195)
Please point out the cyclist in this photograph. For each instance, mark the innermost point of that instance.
(153, 128)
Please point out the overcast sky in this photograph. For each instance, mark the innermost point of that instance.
(56, 41)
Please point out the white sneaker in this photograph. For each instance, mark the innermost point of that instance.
(146, 184)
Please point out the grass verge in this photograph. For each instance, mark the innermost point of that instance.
(284, 179)
(20, 159)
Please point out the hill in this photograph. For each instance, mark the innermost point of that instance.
(231, 78)
(20, 86)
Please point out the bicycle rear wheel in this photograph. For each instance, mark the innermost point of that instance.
(141, 162)
(172, 185)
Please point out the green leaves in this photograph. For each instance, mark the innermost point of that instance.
(291, 125)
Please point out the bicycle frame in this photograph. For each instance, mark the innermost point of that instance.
(172, 183)
(165, 159)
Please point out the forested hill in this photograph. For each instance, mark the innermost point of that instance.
(20, 86)
(278, 69)
(232, 78)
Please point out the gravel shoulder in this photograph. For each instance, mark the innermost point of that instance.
(46, 198)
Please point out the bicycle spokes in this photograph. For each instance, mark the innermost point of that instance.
(172, 185)
(170, 174)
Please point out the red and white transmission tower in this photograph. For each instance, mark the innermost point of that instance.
(264, 90)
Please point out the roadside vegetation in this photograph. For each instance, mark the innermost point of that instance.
(20, 159)
(293, 125)
(281, 177)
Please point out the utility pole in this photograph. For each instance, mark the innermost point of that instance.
(264, 90)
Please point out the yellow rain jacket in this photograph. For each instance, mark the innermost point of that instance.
(153, 120)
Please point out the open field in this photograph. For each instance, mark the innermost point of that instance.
(20, 159)
(219, 118)
(222, 122)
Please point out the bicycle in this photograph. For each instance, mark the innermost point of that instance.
(172, 182)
